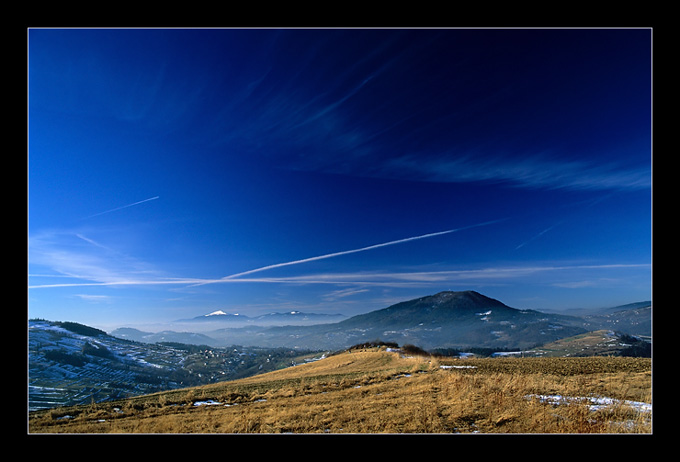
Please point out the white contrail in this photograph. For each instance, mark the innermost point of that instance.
(535, 237)
(123, 207)
(234, 277)
(337, 254)
(347, 252)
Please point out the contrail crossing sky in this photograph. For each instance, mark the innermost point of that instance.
(363, 249)
(124, 207)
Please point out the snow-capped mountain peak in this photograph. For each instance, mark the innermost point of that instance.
(216, 313)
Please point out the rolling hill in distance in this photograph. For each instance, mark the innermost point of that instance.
(447, 319)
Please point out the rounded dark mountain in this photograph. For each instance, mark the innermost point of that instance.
(441, 307)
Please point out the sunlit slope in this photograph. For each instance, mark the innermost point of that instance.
(376, 390)
(602, 342)
(345, 364)
(377, 363)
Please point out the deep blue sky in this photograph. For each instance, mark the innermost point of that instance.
(165, 163)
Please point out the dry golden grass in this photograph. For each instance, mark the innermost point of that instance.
(375, 391)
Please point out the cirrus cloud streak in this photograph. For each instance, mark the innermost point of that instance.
(390, 279)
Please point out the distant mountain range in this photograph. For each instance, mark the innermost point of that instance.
(190, 338)
(284, 318)
(444, 320)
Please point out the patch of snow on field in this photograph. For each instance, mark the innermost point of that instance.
(465, 355)
(209, 402)
(596, 403)
(507, 353)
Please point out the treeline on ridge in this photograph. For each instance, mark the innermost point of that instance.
(637, 348)
(442, 352)
(75, 327)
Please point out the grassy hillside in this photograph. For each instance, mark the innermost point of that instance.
(596, 343)
(375, 390)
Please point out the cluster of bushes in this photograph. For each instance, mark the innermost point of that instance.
(63, 357)
(99, 351)
(81, 329)
(76, 359)
(414, 350)
(408, 348)
(440, 352)
(373, 344)
(637, 348)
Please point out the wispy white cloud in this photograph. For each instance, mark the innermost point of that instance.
(530, 171)
(429, 278)
(334, 105)
(588, 283)
(338, 294)
(94, 298)
(70, 254)
(575, 284)
(120, 282)
(385, 279)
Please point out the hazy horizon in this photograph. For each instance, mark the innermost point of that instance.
(175, 172)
